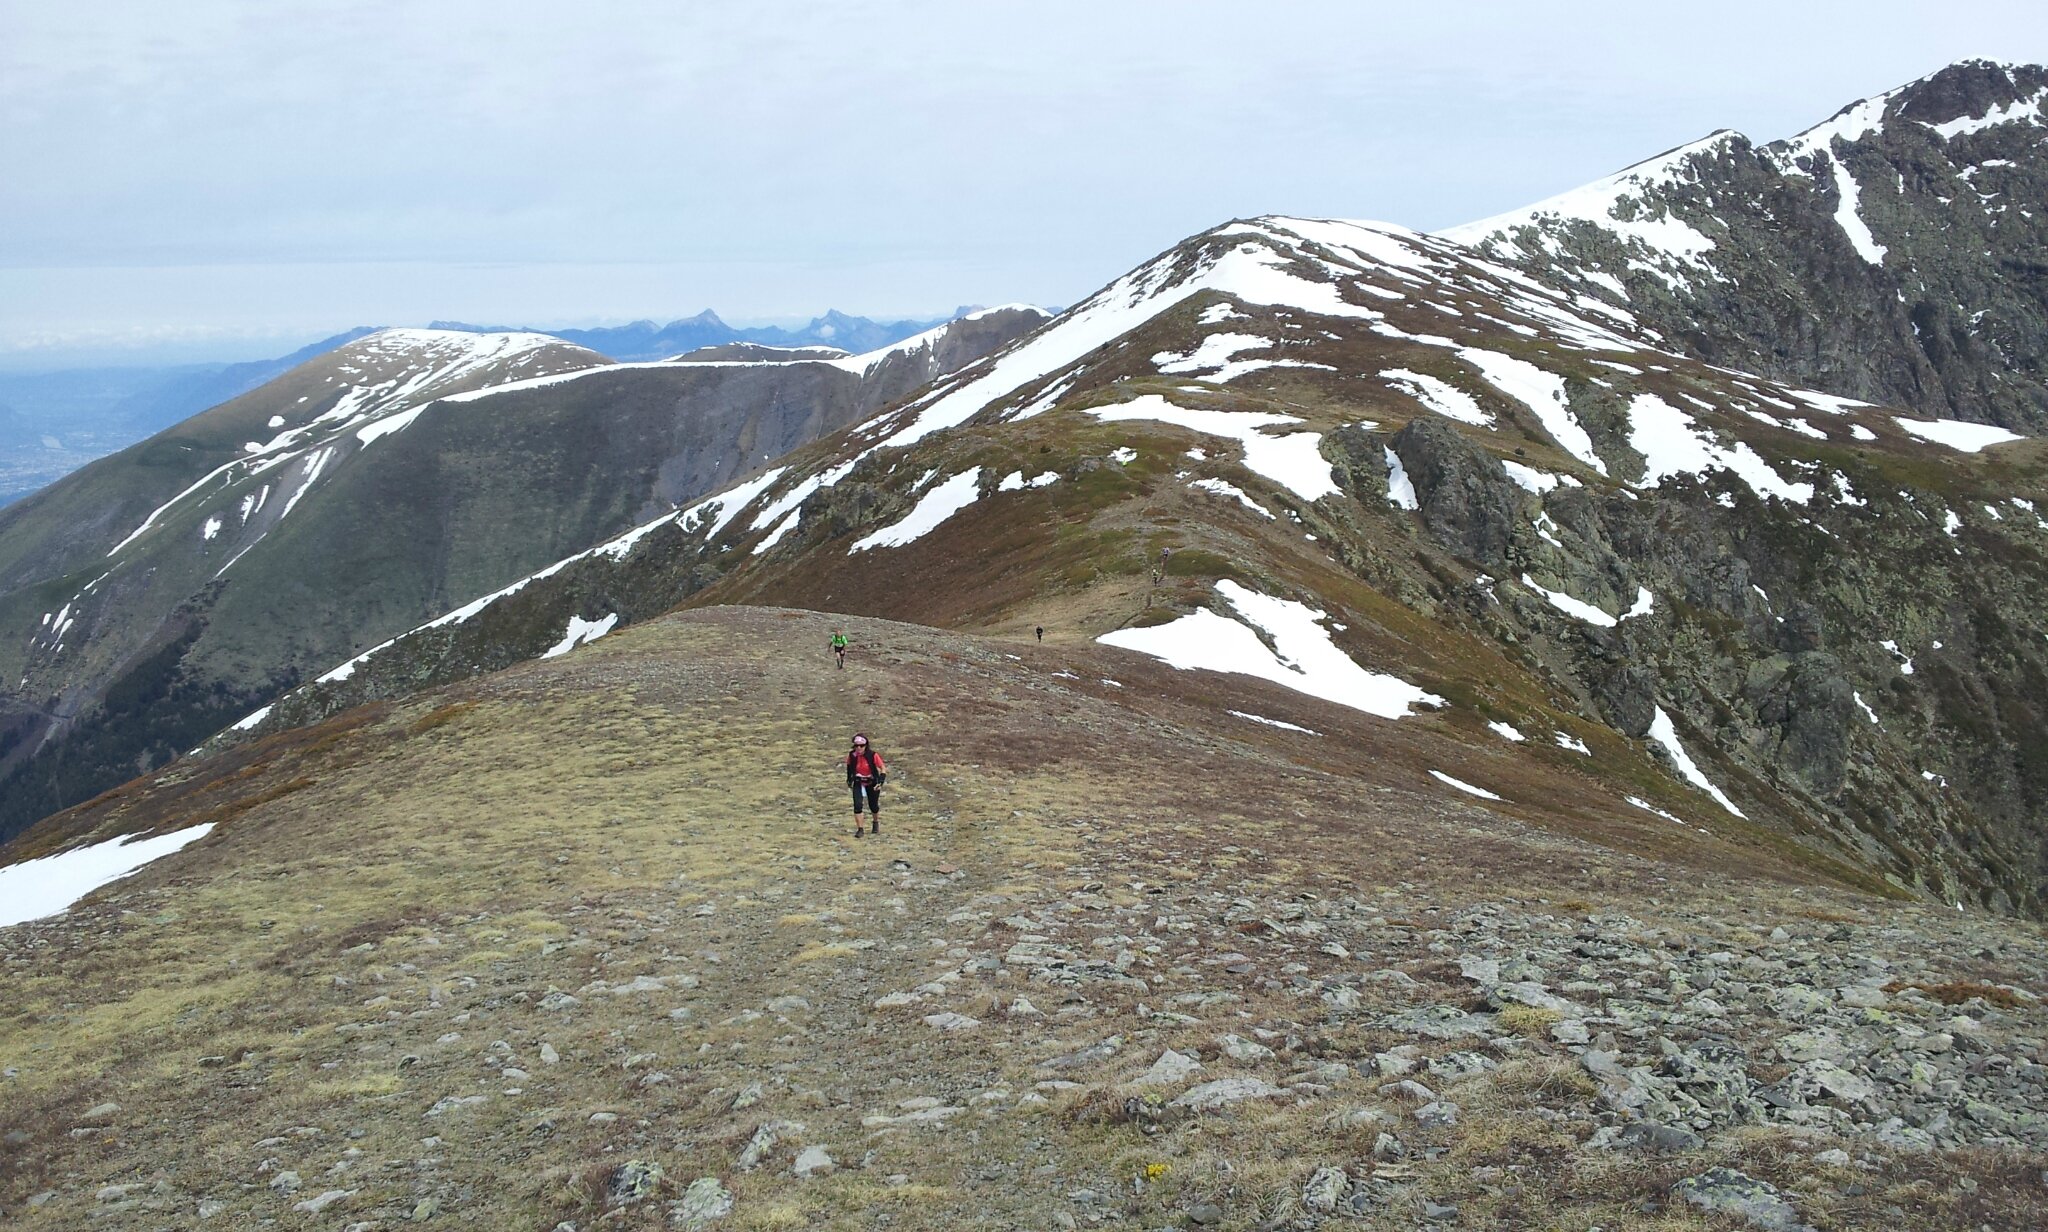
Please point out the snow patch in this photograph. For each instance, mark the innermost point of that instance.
(580, 632)
(1956, 434)
(1543, 393)
(1302, 656)
(47, 886)
(1671, 444)
(1400, 490)
(1440, 396)
(1223, 487)
(1851, 222)
(1293, 461)
(1259, 718)
(1576, 608)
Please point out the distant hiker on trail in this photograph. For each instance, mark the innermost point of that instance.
(839, 648)
(865, 774)
(1041, 633)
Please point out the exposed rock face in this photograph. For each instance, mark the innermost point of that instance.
(1892, 254)
(1467, 501)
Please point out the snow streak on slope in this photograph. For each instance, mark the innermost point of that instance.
(403, 370)
(1542, 392)
(932, 508)
(1302, 657)
(1665, 733)
(1851, 220)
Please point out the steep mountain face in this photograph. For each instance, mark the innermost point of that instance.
(1895, 253)
(1381, 468)
(158, 594)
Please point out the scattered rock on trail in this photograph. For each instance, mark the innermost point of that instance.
(632, 1182)
(707, 1199)
(1724, 1191)
(1213, 1095)
(1171, 1069)
(814, 1161)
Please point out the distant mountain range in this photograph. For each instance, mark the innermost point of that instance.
(645, 340)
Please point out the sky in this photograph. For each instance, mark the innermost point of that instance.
(234, 179)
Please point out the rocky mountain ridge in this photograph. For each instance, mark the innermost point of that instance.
(1892, 253)
(1496, 492)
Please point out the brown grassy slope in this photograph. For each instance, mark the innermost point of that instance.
(304, 989)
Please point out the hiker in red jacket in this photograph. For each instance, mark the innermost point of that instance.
(865, 774)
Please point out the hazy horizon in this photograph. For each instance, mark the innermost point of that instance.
(214, 181)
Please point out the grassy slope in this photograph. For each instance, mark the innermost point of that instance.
(392, 892)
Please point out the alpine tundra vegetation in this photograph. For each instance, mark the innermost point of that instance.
(1543, 725)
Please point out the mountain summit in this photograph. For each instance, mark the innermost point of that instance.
(1890, 253)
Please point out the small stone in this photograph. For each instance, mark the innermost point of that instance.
(558, 1001)
(757, 1147)
(1724, 1191)
(285, 1182)
(1205, 1214)
(1570, 1031)
(1327, 1188)
(788, 1005)
(1022, 1008)
(1171, 1069)
(1238, 1048)
(814, 1161)
(634, 1181)
(99, 1114)
(211, 1207)
(548, 1055)
(704, 1201)
(313, 1206)
(749, 1096)
(1439, 1115)
(950, 1021)
(1834, 1158)
(1410, 1090)
(1212, 1095)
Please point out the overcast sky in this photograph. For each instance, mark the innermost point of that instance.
(242, 176)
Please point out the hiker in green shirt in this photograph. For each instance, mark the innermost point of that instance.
(839, 648)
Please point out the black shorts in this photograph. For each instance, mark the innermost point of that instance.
(866, 795)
